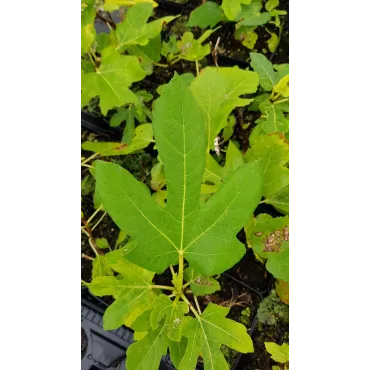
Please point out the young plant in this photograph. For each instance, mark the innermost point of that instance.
(183, 233)
(279, 354)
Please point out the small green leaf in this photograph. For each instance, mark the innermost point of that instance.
(255, 105)
(207, 332)
(142, 138)
(251, 16)
(263, 67)
(275, 120)
(158, 179)
(282, 70)
(278, 353)
(271, 4)
(111, 81)
(233, 7)
(192, 49)
(200, 285)
(147, 54)
(273, 42)
(206, 15)
(282, 87)
(272, 152)
(134, 30)
(102, 243)
(173, 312)
(266, 234)
(218, 91)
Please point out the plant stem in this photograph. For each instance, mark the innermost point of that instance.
(186, 285)
(85, 232)
(94, 214)
(172, 271)
(280, 101)
(181, 267)
(86, 165)
(83, 255)
(93, 247)
(190, 305)
(90, 158)
(164, 287)
(197, 67)
(100, 220)
(175, 60)
(197, 304)
(91, 60)
(160, 64)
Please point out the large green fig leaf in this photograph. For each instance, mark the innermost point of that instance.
(204, 236)
(218, 91)
(207, 332)
(111, 81)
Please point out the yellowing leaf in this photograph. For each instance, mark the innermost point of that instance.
(133, 293)
(111, 81)
(142, 138)
(282, 290)
(278, 353)
(282, 87)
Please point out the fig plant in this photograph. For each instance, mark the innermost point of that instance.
(200, 239)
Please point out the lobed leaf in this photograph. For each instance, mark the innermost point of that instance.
(207, 332)
(278, 353)
(111, 81)
(134, 30)
(217, 91)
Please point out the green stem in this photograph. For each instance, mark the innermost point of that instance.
(175, 60)
(164, 287)
(90, 158)
(100, 220)
(93, 247)
(86, 165)
(83, 255)
(280, 101)
(197, 67)
(190, 305)
(94, 214)
(197, 304)
(160, 64)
